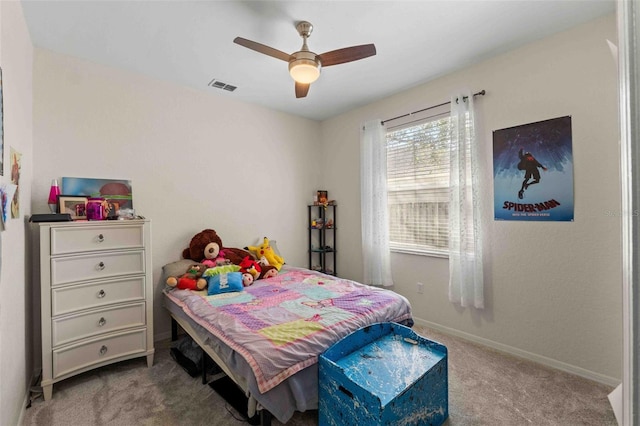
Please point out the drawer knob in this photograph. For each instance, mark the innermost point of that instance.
(101, 294)
(100, 266)
(100, 238)
(103, 350)
(102, 322)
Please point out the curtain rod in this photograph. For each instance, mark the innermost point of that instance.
(480, 93)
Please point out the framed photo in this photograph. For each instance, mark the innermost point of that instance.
(111, 209)
(113, 190)
(323, 197)
(75, 205)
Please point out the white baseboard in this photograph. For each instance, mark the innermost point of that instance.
(549, 362)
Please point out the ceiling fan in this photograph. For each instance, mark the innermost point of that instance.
(304, 65)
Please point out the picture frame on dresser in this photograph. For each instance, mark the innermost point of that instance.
(75, 205)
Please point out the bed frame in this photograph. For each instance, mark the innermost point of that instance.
(252, 403)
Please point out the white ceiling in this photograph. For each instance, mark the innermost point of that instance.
(191, 42)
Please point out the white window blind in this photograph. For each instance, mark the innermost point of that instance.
(418, 186)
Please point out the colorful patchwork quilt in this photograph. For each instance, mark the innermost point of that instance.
(281, 325)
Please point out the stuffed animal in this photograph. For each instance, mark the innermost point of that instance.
(268, 272)
(206, 247)
(247, 279)
(190, 280)
(250, 266)
(223, 279)
(269, 254)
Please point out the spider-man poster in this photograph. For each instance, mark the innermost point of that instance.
(533, 171)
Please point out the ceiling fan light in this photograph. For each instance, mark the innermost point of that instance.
(304, 71)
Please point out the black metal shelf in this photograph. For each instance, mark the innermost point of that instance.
(322, 251)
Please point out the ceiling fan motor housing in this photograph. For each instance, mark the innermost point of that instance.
(304, 28)
(305, 66)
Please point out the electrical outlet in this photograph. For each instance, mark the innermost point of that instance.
(420, 288)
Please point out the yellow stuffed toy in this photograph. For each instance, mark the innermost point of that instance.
(265, 250)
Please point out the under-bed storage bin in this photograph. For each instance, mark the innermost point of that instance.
(383, 374)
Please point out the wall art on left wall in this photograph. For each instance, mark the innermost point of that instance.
(16, 167)
(1, 129)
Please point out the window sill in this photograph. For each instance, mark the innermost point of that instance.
(421, 252)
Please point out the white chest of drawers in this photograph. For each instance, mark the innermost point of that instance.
(96, 295)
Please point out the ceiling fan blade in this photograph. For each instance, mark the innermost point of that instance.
(302, 89)
(347, 54)
(261, 48)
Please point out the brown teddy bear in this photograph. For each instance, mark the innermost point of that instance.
(190, 280)
(206, 247)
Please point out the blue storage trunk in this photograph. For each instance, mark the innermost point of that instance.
(383, 374)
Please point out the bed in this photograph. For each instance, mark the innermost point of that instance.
(267, 338)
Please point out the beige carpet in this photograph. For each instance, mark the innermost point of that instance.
(485, 388)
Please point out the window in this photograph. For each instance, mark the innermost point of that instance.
(418, 186)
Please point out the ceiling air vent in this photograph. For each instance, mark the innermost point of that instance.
(221, 85)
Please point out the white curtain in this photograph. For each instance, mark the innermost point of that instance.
(466, 281)
(373, 192)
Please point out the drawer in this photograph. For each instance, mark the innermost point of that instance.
(70, 269)
(80, 239)
(67, 299)
(96, 351)
(87, 324)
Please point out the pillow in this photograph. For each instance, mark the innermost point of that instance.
(223, 279)
(176, 269)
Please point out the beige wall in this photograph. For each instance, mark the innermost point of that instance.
(196, 160)
(553, 290)
(16, 56)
